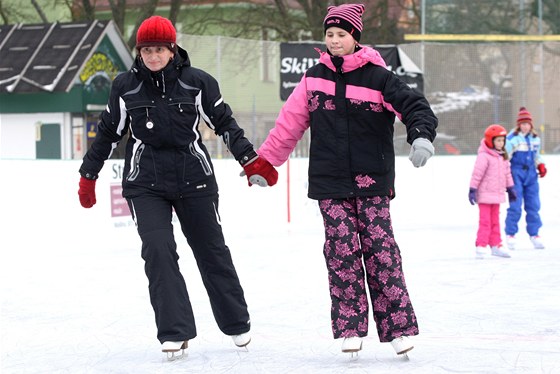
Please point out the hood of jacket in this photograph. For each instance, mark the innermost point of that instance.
(353, 61)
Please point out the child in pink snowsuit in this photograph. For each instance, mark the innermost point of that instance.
(491, 177)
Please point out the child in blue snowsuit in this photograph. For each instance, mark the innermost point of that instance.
(523, 145)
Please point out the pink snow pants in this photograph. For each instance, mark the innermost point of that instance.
(358, 231)
(488, 225)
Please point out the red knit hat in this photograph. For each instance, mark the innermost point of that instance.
(347, 17)
(524, 117)
(154, 31)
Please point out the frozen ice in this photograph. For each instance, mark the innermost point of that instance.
(74, 296)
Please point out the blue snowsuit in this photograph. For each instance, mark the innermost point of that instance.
(524, 151)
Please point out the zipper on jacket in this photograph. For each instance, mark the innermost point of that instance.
(135, 164)
(203, 163)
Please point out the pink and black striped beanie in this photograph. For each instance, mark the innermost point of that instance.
(347, 17)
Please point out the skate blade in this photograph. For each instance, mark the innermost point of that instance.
(405, 351)
(243, 345)
(353, 350)
(404, 354)
(175, 355)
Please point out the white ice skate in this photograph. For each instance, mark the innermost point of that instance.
(352, 345)
(500, 251)
(402, 345)
(537, 242)
(510, 242)
(172, 349)
(241, 340)
(481, 252)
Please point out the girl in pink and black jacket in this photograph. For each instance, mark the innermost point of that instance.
(490, 178)
(349, 101)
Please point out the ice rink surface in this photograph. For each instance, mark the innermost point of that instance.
(74, 296)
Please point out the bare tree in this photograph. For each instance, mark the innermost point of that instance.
(80, 10)
(118, 9)
(147, 10)
(174, 9)
(7, 12)
(281, 20)
(39, 11)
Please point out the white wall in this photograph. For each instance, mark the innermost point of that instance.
(39, 197)
(18, 134)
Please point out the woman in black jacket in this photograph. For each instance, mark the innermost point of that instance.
(159, 103)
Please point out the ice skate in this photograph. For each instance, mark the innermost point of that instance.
(172, 349)
(510, 242)
(537, 242)
(241, 340)
(481, 252)
(402, 345)
(500, 251)
(352, 345)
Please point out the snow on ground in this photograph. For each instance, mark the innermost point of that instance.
(74, 295)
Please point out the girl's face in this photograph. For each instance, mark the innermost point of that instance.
(157, 57)
(499, 142)
(525, 128)
(339, 42)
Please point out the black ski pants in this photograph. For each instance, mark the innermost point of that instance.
(200, 223)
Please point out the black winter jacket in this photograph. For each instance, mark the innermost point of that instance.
(350, 109)
(161, 113)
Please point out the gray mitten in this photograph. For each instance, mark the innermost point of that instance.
(421, 150)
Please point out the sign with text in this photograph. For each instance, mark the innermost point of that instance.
(119, 206)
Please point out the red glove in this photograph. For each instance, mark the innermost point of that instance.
(542, 170)
(260, 172)
(87, 192)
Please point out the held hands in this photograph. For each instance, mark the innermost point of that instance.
(472, 195)
(512, 195)
(260, 172)
(542, 170)
(421, 150)
(87, 192)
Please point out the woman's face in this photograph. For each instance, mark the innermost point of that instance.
(339, 42)
(157, 57)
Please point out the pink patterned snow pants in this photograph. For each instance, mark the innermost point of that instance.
(355, 228)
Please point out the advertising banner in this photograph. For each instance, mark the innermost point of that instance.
(296, 58)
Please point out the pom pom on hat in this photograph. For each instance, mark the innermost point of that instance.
(524, 117)
(155, 31)
(347, 17)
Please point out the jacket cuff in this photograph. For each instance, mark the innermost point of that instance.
(88, 175)
(248, 158)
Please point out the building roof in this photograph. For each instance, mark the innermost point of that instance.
(50, 57)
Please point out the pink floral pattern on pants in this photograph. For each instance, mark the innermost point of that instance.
(358, 232)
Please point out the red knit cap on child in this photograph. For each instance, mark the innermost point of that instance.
(156, 31)
(524, 117)
(347, 17)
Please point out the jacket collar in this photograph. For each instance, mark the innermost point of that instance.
(353, 61)
(168, 73)
(484, 148)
